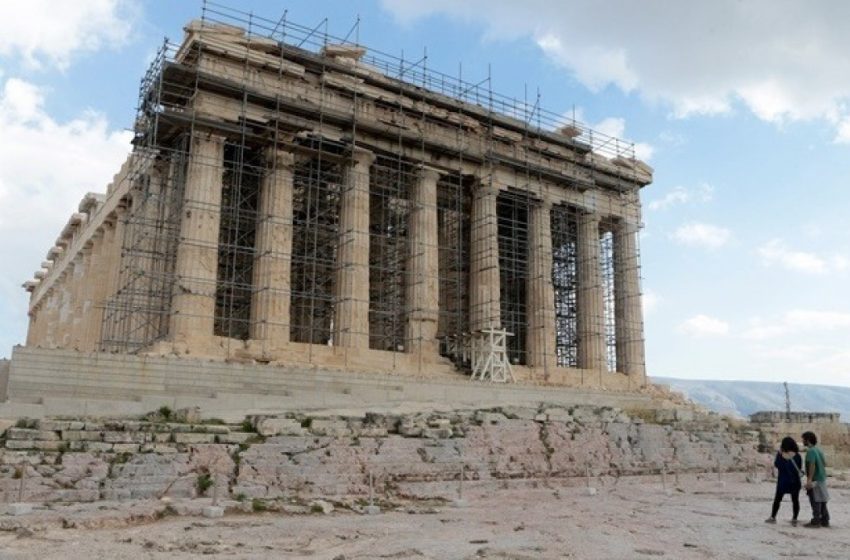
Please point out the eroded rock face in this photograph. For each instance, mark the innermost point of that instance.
(312, 457)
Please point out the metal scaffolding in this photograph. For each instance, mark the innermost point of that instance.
(184, 88)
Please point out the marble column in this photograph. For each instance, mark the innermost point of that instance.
(484, 282)
(108, 277)
(270, 301)
(92, 307)
(351, 288)
(423, 286)
(540, 292)
(590, 301)
(627, 302)
(82, 285)
(196, 267)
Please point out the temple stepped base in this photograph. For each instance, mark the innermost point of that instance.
(49, 382)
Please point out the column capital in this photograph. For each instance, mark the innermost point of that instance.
(361, 156)
(543, 204)
(428, 173)
(485, 190)
(209, 136)
(626, 227)
(279, 158)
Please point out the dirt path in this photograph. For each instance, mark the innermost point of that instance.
(627, 521)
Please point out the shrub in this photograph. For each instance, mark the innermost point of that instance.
(204, 483)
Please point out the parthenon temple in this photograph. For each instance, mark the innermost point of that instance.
(294, 198)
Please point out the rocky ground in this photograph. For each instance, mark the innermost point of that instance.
(625, 519)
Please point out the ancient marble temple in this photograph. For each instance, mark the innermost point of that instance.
(292, 198)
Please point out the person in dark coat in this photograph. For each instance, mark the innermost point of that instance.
(789, 467)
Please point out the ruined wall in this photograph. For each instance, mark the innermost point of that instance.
(833, 436)
(305, 456)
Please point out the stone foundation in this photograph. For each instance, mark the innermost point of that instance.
(306, 457)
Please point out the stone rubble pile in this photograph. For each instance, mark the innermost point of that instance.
(308, 457)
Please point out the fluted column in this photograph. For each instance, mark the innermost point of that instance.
(540, 292)
(270, 302)
(627, 302)
(351, 289)
(423, 295)
(81, 289)
(196, 267)
(113, 235)
(92, 307)
(590, 302)
(484, 283)
(51, 310)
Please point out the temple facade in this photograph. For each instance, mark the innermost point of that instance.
(290, 200)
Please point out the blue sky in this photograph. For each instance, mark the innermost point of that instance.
(741, 108)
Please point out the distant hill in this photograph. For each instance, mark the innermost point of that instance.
(742, 398)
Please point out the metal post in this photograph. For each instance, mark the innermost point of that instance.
(371, 490)
(21, 485)
(215, 491)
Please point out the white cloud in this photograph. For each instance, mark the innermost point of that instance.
(616, 127)
(650, 301)
(796, 322)
(683, 195)
(45, 168)
(776, 252)
(704, 326)
(46, 32)
(697, 234)
(781, 59)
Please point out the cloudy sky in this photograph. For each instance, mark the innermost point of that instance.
(742, 108)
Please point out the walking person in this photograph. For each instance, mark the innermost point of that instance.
(816, 481)
(789, 467)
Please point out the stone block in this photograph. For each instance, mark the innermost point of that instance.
(213, 512)
(81, 435)
(437, 433)
(25, 433)
(520, 412)
(586, 415)
(279, 426)
(372, 431)
(50, 445)
(53, 425)
(178, 428)
(211, 428)
(490, 418)
(234, 437)
(125, 448)
(558, 415)
(439, 423)
(371, 510)
(18, 509)
(158, 448)
(123, 437)
(191, 438)
(330, 427)
(321, 506)
(19, 444)
(98, 446)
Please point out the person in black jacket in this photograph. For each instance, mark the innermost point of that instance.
(789, 466)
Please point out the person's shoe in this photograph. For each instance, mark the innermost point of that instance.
(812, 524)
(824, 524)
(770, 520)
(793, 522)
